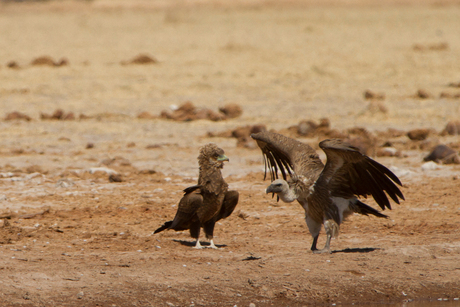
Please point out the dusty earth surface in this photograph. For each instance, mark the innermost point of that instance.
(72, 236)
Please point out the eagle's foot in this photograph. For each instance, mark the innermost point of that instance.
(211, 245)
(198, 245)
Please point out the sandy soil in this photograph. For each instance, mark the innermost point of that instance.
(71, 237)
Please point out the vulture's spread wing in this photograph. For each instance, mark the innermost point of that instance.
(286, 155)
(348, 172)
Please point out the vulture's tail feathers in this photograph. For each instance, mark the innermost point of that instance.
(164, 227)
(362, 208)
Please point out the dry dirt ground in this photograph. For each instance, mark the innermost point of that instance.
(69, 236)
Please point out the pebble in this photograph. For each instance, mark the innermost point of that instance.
(430, 166)
(33, 175)
(107, 170)
(80, 295)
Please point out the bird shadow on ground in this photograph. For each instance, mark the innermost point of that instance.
(356, 250)
(192, 243)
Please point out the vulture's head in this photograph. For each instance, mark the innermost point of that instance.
(281, 188)
(211, 155)
(278, 186)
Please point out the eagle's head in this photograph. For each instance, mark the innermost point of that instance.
(212, 155)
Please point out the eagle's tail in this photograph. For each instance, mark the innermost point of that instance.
(362, 208)
(165, 226)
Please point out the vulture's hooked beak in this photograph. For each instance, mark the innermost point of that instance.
(222, 158)
(269, 189)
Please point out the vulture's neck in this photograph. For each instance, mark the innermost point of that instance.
(288, 195)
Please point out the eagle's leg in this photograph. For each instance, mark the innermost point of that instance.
(195, 233)
(208, 228)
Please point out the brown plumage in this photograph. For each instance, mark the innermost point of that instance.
(328, 193)
(207, 202)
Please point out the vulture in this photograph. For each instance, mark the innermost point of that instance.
(328, 193)
(206, 202)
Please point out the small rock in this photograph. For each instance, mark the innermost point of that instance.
(376, 107)
(106, 170)
(371, 95)
(449, 95)
(43, 60)
(64, 183)
(242, 215)
(430, 166)
(231, 110)
(17, 116)
(115, 178)
(439, 153)
(452, 128)
(80, 295)
(146, 115)
(306, 127)
(388, 152)
(89, 145)
(69, 116)
(58, 114)
(418, 134)
(141, 59)
(13, 65)
(422, 94)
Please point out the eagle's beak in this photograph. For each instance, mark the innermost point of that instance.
(222, 158)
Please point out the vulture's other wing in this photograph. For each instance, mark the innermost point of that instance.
(286, 155)
(348, 172)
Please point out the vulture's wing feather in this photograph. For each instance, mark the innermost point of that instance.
(286, 155)
(348, 172)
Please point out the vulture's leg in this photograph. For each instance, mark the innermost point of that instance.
(332, 230)
(314, 228)
(313, 246)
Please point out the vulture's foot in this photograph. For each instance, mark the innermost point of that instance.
(322, 251)
(327, 247)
